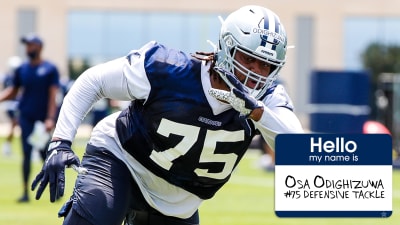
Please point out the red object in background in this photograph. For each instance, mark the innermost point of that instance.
(374, 127)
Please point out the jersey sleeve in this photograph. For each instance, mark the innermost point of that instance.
(278, 116)
(120, 79)
(16, 81)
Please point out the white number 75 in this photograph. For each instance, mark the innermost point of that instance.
(190, 134)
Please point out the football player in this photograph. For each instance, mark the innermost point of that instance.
(190, 121)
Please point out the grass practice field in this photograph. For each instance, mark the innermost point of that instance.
(248, 199)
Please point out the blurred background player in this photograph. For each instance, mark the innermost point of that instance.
(37, 82)
(100, 110)
(10, 105)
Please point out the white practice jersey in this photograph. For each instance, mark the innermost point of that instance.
(181, 144)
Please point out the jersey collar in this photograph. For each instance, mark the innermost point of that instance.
(216, 106)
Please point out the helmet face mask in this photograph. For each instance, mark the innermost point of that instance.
(257, 32)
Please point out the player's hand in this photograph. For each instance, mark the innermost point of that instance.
(59, 156)
(239, 97)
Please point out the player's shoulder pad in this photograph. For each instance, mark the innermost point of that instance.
(159, 56)
(278, 98)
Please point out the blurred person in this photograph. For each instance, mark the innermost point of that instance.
(11, 105)
(117, 105)
(64, 86)
(267, 159)
(100, 110)
(190, 121)
(38, 81)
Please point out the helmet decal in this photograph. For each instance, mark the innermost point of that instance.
(266, 26)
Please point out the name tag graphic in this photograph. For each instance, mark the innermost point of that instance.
(333, 175)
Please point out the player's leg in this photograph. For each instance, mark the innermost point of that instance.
(106, 194)
(267, 160)
(152, 217)
(13, 120)
(7, 150)
(143, 214)
(157, 218)
(102, 196)
(74, 218)
(26, 129)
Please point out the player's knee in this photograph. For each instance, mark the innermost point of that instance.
(73, 218)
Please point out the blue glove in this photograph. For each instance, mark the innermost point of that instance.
(59, 156)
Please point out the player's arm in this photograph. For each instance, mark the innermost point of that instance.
(52, 108)
(8, 93)
(277, 117)
(115, 80)
(256, 114)
(11, 91)
(108, 80)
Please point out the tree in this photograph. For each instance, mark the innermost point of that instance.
(77, 66)
(379, 58)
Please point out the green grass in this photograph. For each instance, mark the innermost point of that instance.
(248, 199)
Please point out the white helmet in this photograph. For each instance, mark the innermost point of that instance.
(258, 32)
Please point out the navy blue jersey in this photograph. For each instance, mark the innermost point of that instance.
(35, 81)
(174, 132)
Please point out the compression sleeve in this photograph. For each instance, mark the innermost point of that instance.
(119, 79)
(278, 117)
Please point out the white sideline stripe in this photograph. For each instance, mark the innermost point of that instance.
(355, 110)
